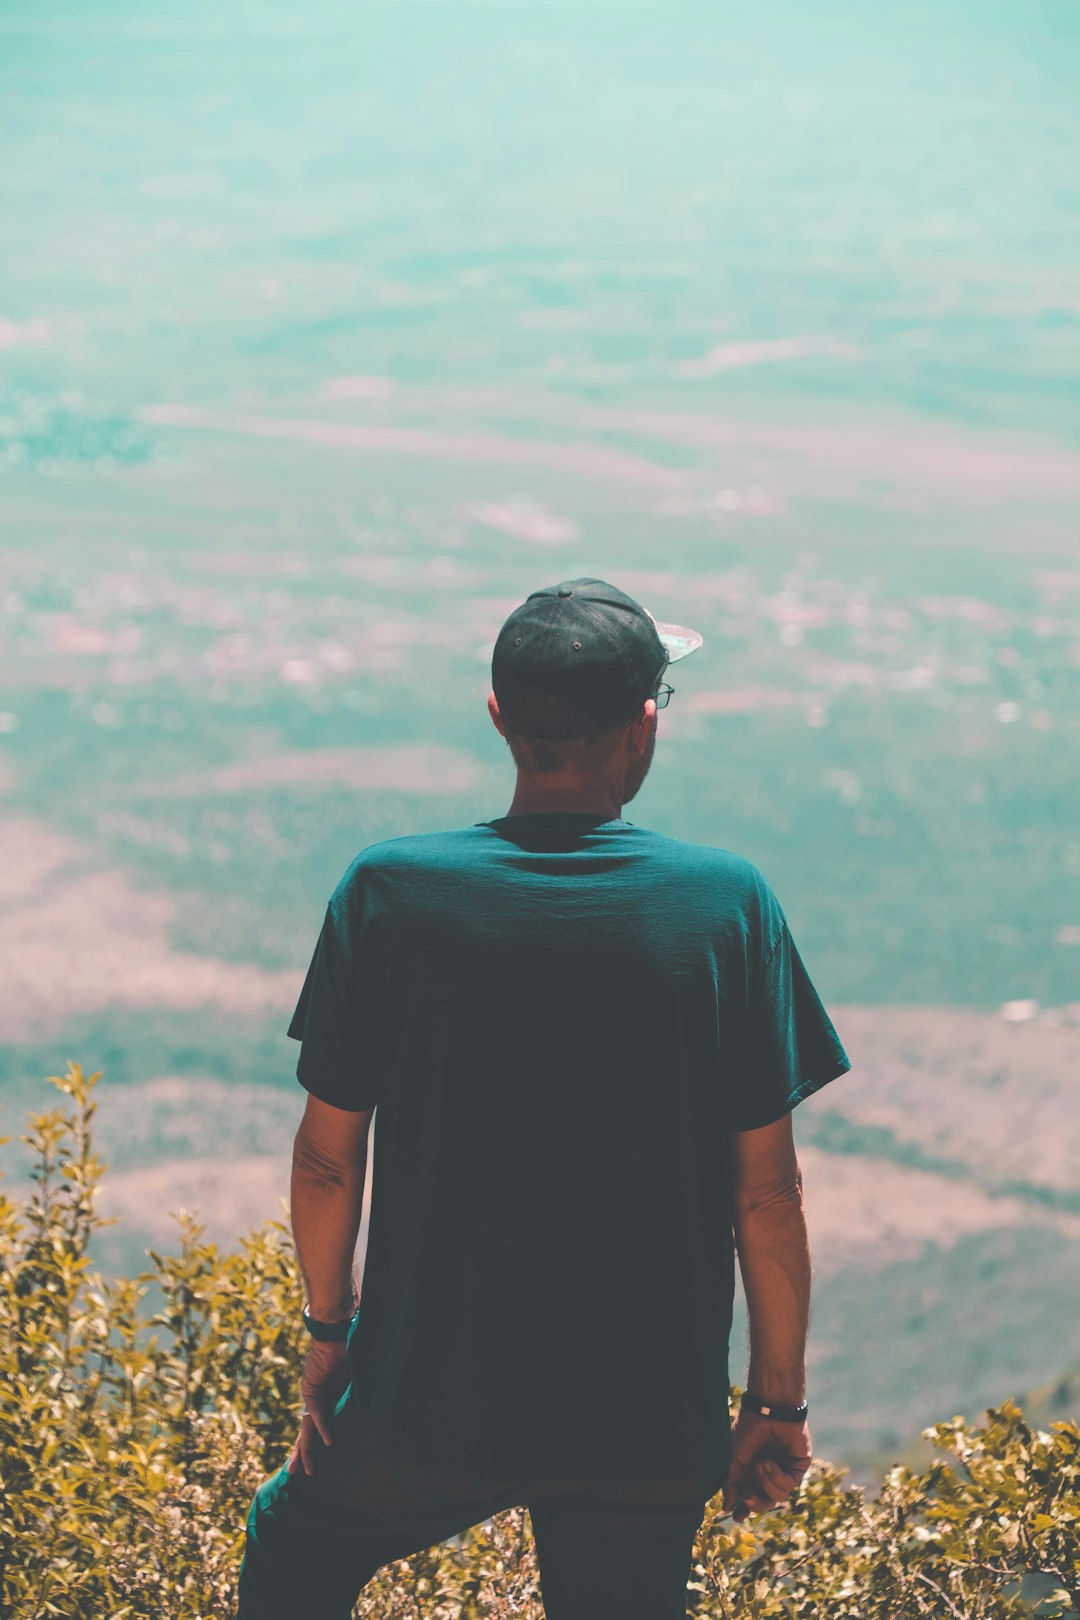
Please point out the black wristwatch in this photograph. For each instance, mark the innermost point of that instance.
(328, 1332)
(775, 1409)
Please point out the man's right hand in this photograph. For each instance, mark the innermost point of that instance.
(769, 1459)
(322, 1384)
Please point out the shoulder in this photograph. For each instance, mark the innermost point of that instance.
(709, 860)
(396, 857)
(731, 880)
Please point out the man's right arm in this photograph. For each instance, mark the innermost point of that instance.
(770, 1455)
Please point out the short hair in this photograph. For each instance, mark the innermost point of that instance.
(545, 756)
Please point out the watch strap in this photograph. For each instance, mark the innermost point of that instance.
(327, 1332)
(785, 1411)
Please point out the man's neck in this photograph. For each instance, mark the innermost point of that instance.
(529, 801)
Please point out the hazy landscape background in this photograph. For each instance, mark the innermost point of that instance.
(327, 335)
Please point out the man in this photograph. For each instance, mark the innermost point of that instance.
(584, 1040)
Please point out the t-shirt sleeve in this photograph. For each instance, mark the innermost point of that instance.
(790, 1048)
(337, 1016)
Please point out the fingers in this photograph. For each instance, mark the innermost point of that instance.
(777, 1483)
(307, 1445)
(321, 1421)
(758, 1490)
(297, 1460)
(745, 1505)
(315, 1422)
(304, 1450)
(741, 1501)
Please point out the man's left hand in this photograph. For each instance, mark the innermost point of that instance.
(322, 1384)
(769, 1458)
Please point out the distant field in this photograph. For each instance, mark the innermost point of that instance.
(200, 745)
(202, 730)
(328, 335)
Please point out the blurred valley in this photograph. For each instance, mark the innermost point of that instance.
(327, 337)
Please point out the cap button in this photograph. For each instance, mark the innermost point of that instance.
(565, 590)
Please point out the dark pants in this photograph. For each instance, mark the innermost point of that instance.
(313, 1542)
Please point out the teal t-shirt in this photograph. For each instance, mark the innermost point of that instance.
(559, 1020)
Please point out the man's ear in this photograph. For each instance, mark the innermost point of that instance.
(496, 717)
(643, 725)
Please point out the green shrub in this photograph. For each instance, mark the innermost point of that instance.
(132, 1440)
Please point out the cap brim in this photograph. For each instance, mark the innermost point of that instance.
(678, 640)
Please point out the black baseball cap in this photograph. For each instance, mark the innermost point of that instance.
(580, 658)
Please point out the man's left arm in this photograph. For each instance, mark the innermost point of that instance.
(329, 1166)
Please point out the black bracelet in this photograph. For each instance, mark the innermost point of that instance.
(775, 1409)
(327, 1332)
